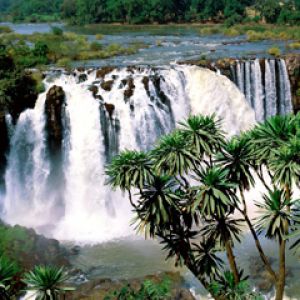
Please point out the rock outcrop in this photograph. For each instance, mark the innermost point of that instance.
(99, 288)
(55, 110)
(28, 249)
(107, 85)
(104, 71)
(293, 67)
(4, 146)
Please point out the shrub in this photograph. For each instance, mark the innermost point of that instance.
(231, 32)
(57, 31)
(5, 29)
(295, 45)
(148, 290)
(274, 51)
(64, 63)
(38, 78)
(95, 46)
(99, 36)
(210, 30)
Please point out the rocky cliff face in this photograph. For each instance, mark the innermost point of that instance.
(293, 67)
(4, 146)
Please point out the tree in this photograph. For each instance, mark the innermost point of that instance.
(195, 219)
(269, 9)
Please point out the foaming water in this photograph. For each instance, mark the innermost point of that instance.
(211, 93)
(140, 105)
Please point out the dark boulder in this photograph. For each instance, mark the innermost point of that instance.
(145, 82)
(55, 111)
(94, 89)
(130, 89)
(82, 78)
(107, 85)
(104, 71)
(110, 108)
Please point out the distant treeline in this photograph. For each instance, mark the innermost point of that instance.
(151, 11)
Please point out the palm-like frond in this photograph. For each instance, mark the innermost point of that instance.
(203, 134)
(285, 162)
(172, 156)
(237, 159)
(47, 282)
(272, 134)
(216, 195)
(129, 169)
(275, 213)
(206, 260)
(223, 230)
(177, 243)
(8, 270)
(158, 206)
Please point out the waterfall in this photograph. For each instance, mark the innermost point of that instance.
(27, 198)
(265, 84)
(127, 108)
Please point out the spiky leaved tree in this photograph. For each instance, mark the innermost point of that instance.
(47, 282)
(192, 183)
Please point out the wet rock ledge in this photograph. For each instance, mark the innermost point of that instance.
(225, 66)
(101, 287)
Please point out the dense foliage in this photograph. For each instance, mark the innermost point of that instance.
(148, 290)
(149, 11)
(18, 89)
(199, 218)
(44, 282)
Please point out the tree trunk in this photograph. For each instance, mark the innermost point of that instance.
(281, 278)
(260, 250)
(131, 200)
(282, 245)
(232, 263)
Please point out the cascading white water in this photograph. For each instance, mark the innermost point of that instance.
(267, 89)
(158, 99)
(270, 88)
(285, 89)
(212, 93)
(27, 198)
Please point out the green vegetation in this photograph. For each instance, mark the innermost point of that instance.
(18, 89)
(233, 291)
(31, 10)
(8, 273)
(295, 45)
(274, 51)
(5, 29)
(47, 282)
(170, 207)
(254, 32)
(59, 47)
(151, 11)
(148, 291)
